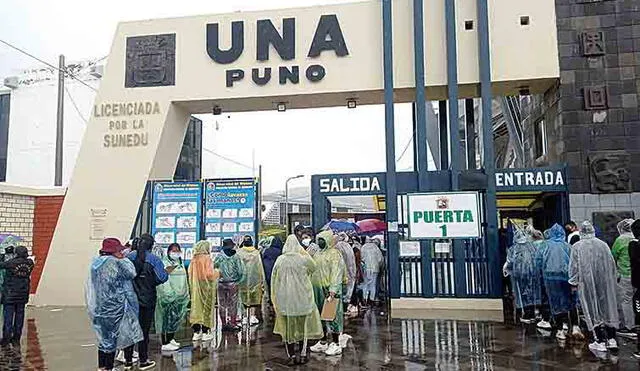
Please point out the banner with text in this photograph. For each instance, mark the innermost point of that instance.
(444, 215)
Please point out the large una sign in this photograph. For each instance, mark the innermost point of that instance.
(328, 37)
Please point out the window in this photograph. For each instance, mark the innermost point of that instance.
(5, 99)
(541, 139)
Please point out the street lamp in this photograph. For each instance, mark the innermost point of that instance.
(286, 201)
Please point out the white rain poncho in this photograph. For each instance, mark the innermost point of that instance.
(593, 270)
(350, 261)
(523, 266)
(112, 303)
(252, 287)
(372, 257)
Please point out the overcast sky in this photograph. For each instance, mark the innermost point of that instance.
(305, 142)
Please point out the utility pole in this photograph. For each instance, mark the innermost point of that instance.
(60, 123)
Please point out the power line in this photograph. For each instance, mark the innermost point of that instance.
(48, 64)
(75, 105)
(228, 159)
(405, 149)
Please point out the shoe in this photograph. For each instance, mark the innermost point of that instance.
(169, 348)
(627, 334)
(333, 350)
(319, 347)
(561, 334)
(576, 333)
(120, 357)
(612, 344)
(343, 339)
(304, 360)
(208, 336)
(352, 309)
(197, 336)
(174, 342)
(527, 321)
(291, 361)
(565, 327)
(636, 355)
(244, 321)
(147, 365)
(128, 366)
(544, 324)
(597, 347)
(254, 320)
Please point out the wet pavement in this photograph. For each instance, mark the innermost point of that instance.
(62, 339)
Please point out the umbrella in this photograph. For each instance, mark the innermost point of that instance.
(371, 226)
(341, 226)
(7, 240)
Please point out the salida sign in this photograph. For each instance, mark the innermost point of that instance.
(328, 37)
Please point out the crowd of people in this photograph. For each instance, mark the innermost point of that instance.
(567, 280)
(132, 286)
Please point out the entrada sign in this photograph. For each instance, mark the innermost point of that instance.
(444, 215)
(530, 179)
(328, 37)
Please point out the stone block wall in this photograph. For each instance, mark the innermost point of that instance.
(16, 216)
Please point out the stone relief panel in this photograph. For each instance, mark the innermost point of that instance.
(151, 61)
(609, 172)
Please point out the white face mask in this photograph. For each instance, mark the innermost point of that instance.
(306, 242)
(175, 255)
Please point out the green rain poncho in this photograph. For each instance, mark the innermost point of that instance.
(173, 298)
(252, 286)
(203, 282)
(297, 317)
(330, 275)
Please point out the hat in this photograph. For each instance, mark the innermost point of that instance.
(111, 246)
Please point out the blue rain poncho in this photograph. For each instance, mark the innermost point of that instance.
(522, 266)
(593, 270)
(173, 298)
(555, 270)
(112, 303)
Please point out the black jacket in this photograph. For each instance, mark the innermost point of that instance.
(151, 273)
(17, 280)
(634, 255)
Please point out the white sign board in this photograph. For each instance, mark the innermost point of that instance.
(409, 248)
(444, 215)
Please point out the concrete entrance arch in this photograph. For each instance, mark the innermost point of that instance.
(161, 71)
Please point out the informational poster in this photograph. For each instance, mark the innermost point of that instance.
(444, 215)
(230, 210)
(177, 212)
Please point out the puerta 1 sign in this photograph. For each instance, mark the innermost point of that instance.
(444, 215)
(328, 37)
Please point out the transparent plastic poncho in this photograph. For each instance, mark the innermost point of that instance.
(555, 256)
(347, 255)
(112, 303)
(252, 286)
(231, 267)
(173, 298)
(203, 285)
(523, 266)
(372, 257)
(331, 271)
(593, 270)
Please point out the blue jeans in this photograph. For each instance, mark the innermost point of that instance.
(369, 285)
(13, 322)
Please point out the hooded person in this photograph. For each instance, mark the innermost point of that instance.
(203, 286)
(350, 262)
(522, 266)
(270, 254)
(297, 316)
(306, 240)
(231, 271)
(555, 271)
(620, 252)
(372, 260)
(327, 281)
(540, 242)
(251, 288)
(173, 299)
(592, 271)
(112, 303)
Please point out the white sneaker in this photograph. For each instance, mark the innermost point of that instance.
(120, 357)
(319, 347)
(352, 309)
(565, 327)
(561, 334)
(612, 344)
(544, 324)
(597, 347)
(333, 350)
(174, 342)
(343, 339)
(197, 336)
(244, 321)
(576, 333)
(169, 348)
(254, 320)
(207, 336)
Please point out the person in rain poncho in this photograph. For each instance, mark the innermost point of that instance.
(231, 274)
(297, 316)
(327, 282)
(620, 252)
(372, 260)
(202, 282)
(350, 262)
(252, 286)
(173, 299)
(634, 260)
(522, 267)
(271, 252)
(592, 271)
(539, 241)
(555, 271)
(306, 240)
(112, 303)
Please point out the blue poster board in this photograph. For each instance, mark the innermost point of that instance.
(230, 210)
(177, 215)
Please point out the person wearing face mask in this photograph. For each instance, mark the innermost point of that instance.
(327, 281)
(173, 299)
(270, 254)
(307, 242)
(231, 271)
(203, 281)
(252, 286)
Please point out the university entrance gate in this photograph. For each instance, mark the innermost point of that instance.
(159, 72)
